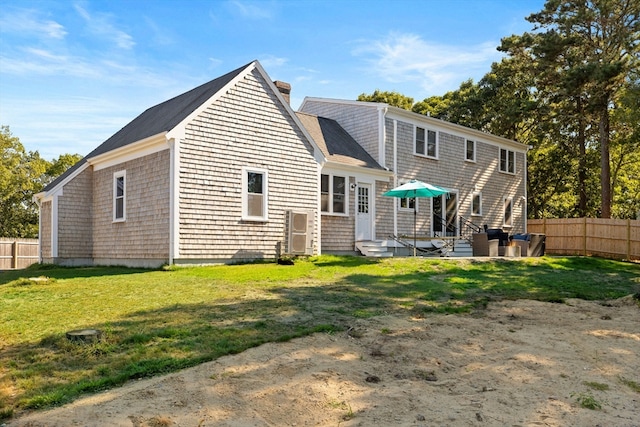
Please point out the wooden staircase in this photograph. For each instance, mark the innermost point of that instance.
(373, 248)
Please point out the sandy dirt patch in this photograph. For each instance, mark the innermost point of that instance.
(516, 363)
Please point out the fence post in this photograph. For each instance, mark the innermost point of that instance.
(628, 239)
(584, 240)
(14, 254)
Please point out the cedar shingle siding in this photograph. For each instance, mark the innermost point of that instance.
(245, 127)
(75, 209)
(45, 231)
(449, 169)
(338, 232)
(145, 233)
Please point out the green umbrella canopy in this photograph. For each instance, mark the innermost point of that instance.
(415, 188)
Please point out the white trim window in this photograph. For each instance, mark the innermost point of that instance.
(407, 203)
(333, 194)
(255, 194)
(470, 150)
(507, 161)
(425, 142)
(120, 196)
(476, 203)
(508, 212)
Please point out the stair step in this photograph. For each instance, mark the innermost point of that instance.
(380, 254)
(374, 248)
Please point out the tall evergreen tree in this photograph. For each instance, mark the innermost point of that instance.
(593, 45)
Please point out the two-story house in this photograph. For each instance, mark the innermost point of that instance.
(485, 175)
(228, 172)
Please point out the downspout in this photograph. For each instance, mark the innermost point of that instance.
(319, 209)
(382, 112)
(382, 155)
(39, 204)
(174, 191)
(54, 227)
(395, 175)
(525, 208)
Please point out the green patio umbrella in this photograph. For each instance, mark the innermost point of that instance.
(415, 189)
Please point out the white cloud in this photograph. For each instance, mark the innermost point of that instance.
(270, 61)
(160, 34)
(74, 124)
(253, 10)
(101, 26)
(41, 62)
(402, 57)
(28, 22)
(215, 62)
(46, 63)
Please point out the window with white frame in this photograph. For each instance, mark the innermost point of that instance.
(508, 212)
(507, 161)
(476, 203)
(470, 150)
(426, 142)
(120, 196)
(333, 194)
(255, 195)
(407, 203)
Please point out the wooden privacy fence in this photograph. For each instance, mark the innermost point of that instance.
(609, 238)
(18, 253)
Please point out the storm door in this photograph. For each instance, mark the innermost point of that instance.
(363, 212)
(444, 211)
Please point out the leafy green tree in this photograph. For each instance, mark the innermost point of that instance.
(434, 106)
(625, 153)
(563, 95)
(462, 106)
(23, 174)
(60, 165)
(570, 89)
(394, 99)
(596, 44)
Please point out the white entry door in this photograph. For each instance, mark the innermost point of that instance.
(363, 212)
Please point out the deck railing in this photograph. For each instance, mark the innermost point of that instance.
(464, 230)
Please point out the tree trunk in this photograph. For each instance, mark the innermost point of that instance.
(582, 162)
(605, 180)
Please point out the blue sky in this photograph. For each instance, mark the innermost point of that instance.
(72, 73)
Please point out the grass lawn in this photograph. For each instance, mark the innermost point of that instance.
(158, 321)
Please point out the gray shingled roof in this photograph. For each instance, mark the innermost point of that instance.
(336, 143)
(160, 118)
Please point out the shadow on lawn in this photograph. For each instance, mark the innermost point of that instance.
(58, 272)
(167, 339)
(145, 344)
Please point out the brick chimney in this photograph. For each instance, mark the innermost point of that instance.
(285, 90)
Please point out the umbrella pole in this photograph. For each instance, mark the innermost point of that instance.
(414, 227)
